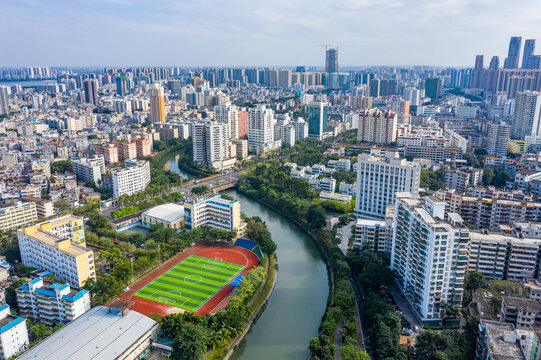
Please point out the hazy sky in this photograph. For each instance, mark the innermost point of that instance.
(260, 32)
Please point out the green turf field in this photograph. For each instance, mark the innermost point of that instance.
(191, 283)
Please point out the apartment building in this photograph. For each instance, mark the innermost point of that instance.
(58, 246)
(429, 255)
(51, 303)
(372, 234)
(500, 256)
(126, 150)
(211, 210)
(461, 178)
(44, 208)
(436, 155)
(341, 164)
(376, 126)
(211, 143)
(17, 215)
(326, 184)
(523, 313)
(143, 145)
(488, 213)
(132, 179)
(378, 179)
(13, 333)
(90, 168)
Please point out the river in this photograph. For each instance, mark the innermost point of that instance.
(172, 164)
(294, 311)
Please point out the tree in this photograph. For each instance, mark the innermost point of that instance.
(106, 288)
(10, 294)
(200, 190)
(191, 342)
(316, 217)
(431, 345)
(474, 281)
(123, 271)
(488, 176)
(61, 205)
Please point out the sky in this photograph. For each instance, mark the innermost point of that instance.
(260, 32)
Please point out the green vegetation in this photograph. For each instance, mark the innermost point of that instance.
(258, 232)
(447, 344)
(497, 178)
(200, 190)
(191, 283)
(433, 180)
(61, 167)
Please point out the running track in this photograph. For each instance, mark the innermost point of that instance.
(229, 253)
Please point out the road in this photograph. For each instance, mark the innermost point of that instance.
(186, 190)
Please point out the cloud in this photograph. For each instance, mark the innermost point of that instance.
(272, 32)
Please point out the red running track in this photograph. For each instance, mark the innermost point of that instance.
(228, 253)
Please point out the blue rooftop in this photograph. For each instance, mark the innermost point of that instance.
(11, 324)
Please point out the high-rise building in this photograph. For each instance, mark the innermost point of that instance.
(89, 168)
(513, 55)
(132, 179)
(433, 87)
(498, 139)
(210, 143)
(121, 85)
(375, 85)
(526, 118)
(378, 179)
(317, 119)
(242, 123)
(429, 255)
(63, 242)
(376, 126)
(90, 86)
(4, 95)
(529, 50)
(228, 114)
(331, 60)
(157, 104)
(260, 129)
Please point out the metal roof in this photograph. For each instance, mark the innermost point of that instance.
(168, 213)
(97, 334)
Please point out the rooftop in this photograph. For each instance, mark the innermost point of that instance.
(169, 213)
(97, 334)
(529, 304)
(501, 349)
(51, 240)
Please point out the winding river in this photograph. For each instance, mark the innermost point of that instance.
(294, 311)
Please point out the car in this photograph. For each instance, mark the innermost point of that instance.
(398, 312)
(416, 328)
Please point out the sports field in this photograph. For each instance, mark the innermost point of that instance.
(191, 283)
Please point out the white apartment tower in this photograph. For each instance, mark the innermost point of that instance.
(210, 142)
(498, 139)
(378, 179)
(526, 119)
(429, 255)
(134, 178)
(260, 128)
(228, 114)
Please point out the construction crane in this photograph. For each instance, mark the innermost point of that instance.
(326, 46)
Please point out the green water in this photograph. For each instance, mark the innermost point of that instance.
(295, 308)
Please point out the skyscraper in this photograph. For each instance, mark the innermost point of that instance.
(90, 87)
(529, 49)
(513, 55)
(331, 60)
(260, 129)
(498, 139)
(433, 87)
(121, 85)
(317, 119)
(526, 119)
(157, 104)
(4, 107)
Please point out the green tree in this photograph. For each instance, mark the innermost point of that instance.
(11, 295)
(123, 271)
(474, 281)
(200, 190)
(61, 205)
(191, 342)
(488, 176)
(316, 217)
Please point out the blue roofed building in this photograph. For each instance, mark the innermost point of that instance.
(51, 303)
(13, 333)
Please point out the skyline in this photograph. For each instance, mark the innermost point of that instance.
(239, 33)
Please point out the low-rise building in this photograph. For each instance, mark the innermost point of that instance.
(327, 195)
(373, 233)
(58, 246)
(51, 303)
(327, 184)
(499, 341)
(169, 215)
(101, 333)
(211, 210)
(44, 208)
(461, 178)
(523, 313)
(13, 333)
(342, 164)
